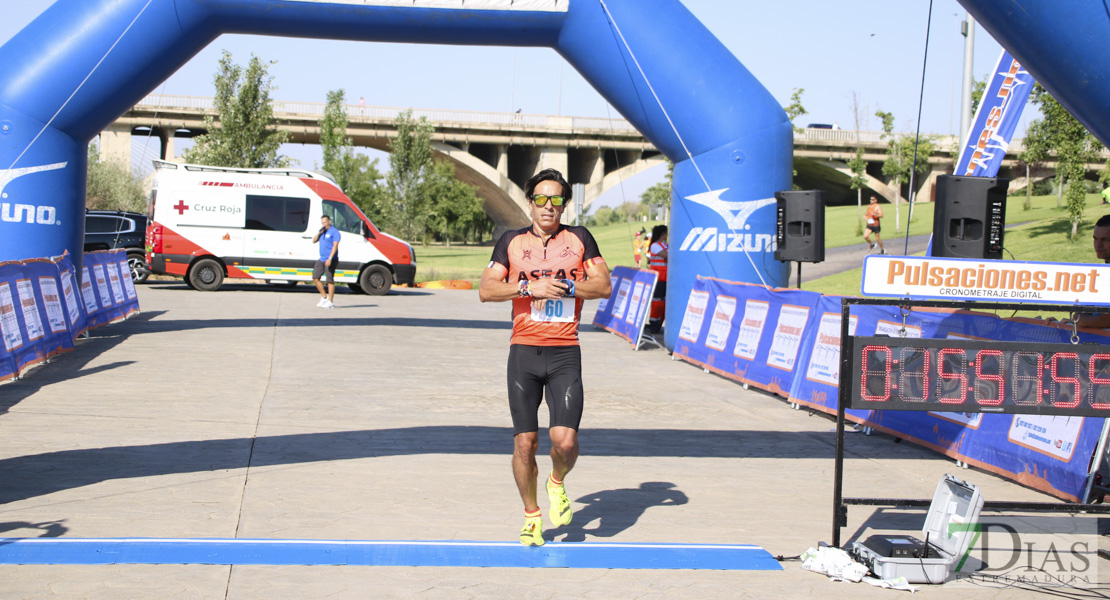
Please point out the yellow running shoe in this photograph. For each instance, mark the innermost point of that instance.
(560, 505)
(532, 532)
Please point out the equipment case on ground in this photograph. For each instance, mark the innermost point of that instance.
(949, 528)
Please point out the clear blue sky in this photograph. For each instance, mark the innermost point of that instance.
(825, 47)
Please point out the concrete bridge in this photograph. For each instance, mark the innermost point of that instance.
(498, 152)
(821, 159)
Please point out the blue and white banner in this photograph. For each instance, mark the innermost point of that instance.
(994, 124)
(747, 332)
(107, 288)
(43, 308)
(627, 308)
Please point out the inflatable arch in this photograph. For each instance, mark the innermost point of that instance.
(83, 63)
(1063, 44)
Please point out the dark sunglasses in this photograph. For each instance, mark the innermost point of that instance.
(541, 199)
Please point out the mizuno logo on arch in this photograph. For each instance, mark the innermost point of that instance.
(17, 212)
(733, 237)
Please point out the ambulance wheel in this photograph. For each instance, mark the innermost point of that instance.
(375, 280)
(356, 288)
(207, 275)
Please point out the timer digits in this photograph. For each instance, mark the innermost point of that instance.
(954, 375)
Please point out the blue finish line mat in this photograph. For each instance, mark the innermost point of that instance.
(451, 553)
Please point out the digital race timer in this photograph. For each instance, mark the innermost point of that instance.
(979, 376)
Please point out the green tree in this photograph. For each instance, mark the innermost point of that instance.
(858, 166)
(455, 208)
(334, 142)
(111, 185)
(360, 181)
(1058, 132)
(410, 159)
(355, 173)
(633, 211)
(978, 88)
(795, 108)
(423, 194)
(244, 135)
(605, 215)
(658, 196)
(899, 163)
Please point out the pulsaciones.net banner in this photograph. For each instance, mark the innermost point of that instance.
(986, 280)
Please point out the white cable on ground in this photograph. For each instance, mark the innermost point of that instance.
(671, 123)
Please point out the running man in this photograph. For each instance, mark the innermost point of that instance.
(874, 213)
(547, 270)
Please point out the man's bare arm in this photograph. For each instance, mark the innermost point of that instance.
(598, 284)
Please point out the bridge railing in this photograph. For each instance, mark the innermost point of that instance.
(358, 112)
(361, 113)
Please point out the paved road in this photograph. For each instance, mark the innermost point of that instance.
(249, 413)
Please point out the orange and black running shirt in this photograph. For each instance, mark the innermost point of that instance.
(522, 255)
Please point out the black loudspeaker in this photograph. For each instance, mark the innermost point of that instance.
(800, 226)
(970, 216)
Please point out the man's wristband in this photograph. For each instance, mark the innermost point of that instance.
(570, 288)
(524, 289)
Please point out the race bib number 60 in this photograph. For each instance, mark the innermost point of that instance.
(554, 311)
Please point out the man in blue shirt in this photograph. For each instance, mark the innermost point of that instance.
(328, 237)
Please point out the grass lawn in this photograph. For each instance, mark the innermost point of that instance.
(1039, 234)
(844, 224)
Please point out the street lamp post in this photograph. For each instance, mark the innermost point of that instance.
(869, 60)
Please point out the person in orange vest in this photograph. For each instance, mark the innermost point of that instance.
(657, 261)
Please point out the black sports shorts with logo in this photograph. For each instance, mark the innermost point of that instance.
(534, 370)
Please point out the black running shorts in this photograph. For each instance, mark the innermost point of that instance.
(875, 228)
(536, 369)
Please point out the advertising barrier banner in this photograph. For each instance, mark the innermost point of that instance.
(107, 286)
(43, 310)
(788, 342)
(626, 310)
(746, 332)
(18, 348)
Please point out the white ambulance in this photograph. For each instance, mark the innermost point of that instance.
(208, 223)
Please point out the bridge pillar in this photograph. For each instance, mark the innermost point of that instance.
(587, 166)
(115, 144)
(502, 165)
(553, 157)
(165, 136)
(927, 191)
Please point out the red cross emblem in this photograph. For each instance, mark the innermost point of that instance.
(180, 207)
